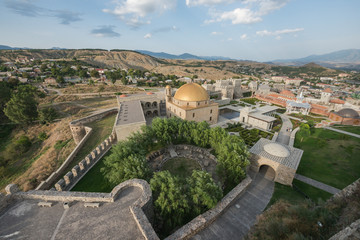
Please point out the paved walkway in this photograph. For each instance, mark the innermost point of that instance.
(237, 220)
(317, 184)
(284, 136)
(344, 132)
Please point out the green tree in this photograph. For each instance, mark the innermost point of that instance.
(22, 107)
(126, 163)
(169, 199)
(94, 74)
(5, 95)
(47, 115)
(83, 73)
(60, 79)
(43, 67)
(304, 131)
(232, 156)
(203, 191)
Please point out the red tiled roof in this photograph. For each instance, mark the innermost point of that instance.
(318, 106)
(336, 100)
(328, 90)
(287, 93)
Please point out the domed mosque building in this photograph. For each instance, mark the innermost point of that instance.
(191, 102)
(346, 116)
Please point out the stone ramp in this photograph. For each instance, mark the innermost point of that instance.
(237, 220)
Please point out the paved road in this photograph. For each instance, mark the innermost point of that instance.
(317, 184)
(284, 136)
(237, 220)
(344, 132)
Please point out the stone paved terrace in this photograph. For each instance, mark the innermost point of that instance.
(237, 220)
(24, 219)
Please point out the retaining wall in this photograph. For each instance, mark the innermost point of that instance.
(72, 177)
(77, 127)
(205, 219)
(292, 136)
(55, 175)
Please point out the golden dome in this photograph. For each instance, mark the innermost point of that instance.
(191, 92)
(168, 86)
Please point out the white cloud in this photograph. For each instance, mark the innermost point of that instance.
(229, 39)
(247, 11)
(207, 2)
(238, 16)
(244, 36)
(216, 33)
(278, 32)
(148, 36)
(131, 11)
(105, 31)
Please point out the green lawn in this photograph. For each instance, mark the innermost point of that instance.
(290, 194)
(101, 130)
(94, 180)
(251, 101)
(330, 157)
(351, 129)
(181, 167)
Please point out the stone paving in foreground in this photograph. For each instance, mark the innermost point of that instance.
(26, 220)
(237, 220)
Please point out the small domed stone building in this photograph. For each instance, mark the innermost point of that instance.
(191, 102)
(346, 116)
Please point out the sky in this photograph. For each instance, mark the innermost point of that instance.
(259, 30)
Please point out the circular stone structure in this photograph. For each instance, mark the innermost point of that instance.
(348, 113)
(277, 150)
(191, 92)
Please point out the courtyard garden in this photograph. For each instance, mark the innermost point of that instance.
(251, 101)
(309, 118)
(250, 136)
(329, 157)
(181, 167)
(181, 191)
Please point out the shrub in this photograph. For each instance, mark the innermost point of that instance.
(60, 144)
(42, 136)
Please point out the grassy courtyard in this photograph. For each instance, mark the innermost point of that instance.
(251, 101)
(181, 167)
(94, 180)
(330, 157)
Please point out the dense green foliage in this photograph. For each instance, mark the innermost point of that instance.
(170, 199)
(232, 153)
(47, 115)
(179, 200)
(203, 191)
(175, 196)
(22, 107)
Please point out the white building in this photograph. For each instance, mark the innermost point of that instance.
(262, 117)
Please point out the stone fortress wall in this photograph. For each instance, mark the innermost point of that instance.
(141, 209)
(80, 134)
(78, 171)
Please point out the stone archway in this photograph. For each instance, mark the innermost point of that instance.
(268, 172)
(148, 114)
(155, 113)
(154, 104)
(148, 105)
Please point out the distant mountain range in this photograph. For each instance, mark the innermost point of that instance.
(343, 59)
(4, 47)
(184, 56)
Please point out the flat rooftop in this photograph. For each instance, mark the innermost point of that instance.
(130, 112)
(24, 219)
(262, 117)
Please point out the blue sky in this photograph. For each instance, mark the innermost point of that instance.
(258, 30)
